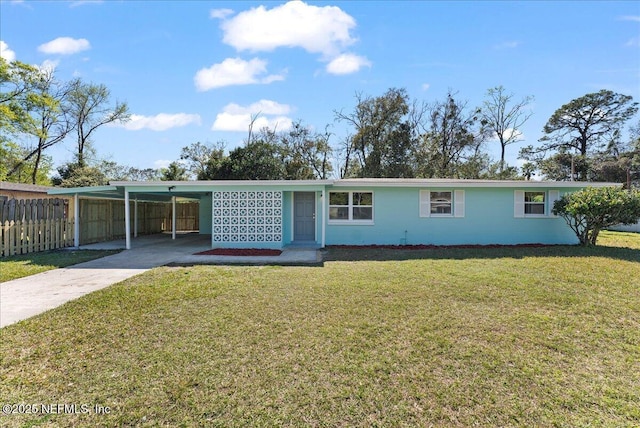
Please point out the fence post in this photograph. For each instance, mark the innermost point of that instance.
(24, 237)
(33, 238)
(72, 232)
(49, 234)
(5, 238)
(12, 238)
(40, 227)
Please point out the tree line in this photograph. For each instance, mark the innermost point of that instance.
(38, 111)
(390, 135)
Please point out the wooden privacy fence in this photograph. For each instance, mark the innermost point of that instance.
(103, 220)
(187, 216)
(32, 225)
(22, 237)
(33, 209)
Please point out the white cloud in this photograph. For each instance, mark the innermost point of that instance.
(509, 133)
(347, 63)
(6, 53)
(425, 86)
(634, 18)
(65, 46)
(635, 41)
(49, 65)
(160, 122)
(512, 44)
(220, 13)
(294, 24)
(273, 78)
(83, 2)
(233, 71)
(266, 113)
(262, 107)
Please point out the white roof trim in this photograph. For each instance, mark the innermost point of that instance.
(460, 183)
(220, 183)
(117, 187)
(368, 182)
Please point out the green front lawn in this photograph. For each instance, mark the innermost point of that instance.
(14, 267)
(458, 337)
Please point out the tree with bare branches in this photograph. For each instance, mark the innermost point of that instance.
(89, 110)
(503, 117)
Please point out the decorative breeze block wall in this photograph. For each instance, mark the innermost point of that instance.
(247, 216)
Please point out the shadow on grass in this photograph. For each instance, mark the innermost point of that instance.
(19, 266)
(514, 252)
(58, 258)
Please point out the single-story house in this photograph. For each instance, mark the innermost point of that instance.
(626, 227)
(14, 197)
(276, 214)
(9, 190)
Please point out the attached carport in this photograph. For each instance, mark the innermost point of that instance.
(163, 192)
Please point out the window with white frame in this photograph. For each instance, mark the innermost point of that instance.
(441, 203)
(351, 206)
(535, 203)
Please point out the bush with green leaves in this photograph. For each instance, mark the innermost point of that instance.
(590, 210)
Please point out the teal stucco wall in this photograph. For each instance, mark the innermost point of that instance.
(488, 219)
(287, 221)
(205, 215)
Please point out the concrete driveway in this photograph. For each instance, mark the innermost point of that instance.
(25, 297)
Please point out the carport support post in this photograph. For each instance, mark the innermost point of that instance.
(127, 219)
(76, 220)
(213, 210)
(323, 198)
(135, 217)
(173, 217)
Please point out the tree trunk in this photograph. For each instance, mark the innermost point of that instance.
(36, 166)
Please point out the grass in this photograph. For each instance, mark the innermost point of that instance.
(14, 267)
(444, 338)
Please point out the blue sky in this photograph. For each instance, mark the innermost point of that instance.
(198, 70)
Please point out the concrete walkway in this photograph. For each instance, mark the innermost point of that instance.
(25, 297)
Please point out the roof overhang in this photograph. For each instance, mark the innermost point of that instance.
(117, 193)
(105, 192)
(163, 191)
(462, 183)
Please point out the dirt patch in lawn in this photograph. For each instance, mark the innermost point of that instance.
(240, 252)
